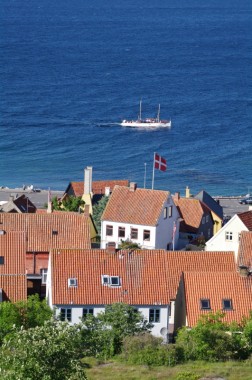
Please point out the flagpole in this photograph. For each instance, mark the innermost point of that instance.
(145, 174)
(153, 172)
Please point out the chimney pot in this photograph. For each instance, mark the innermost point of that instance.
(177, 196)
(187, 192)
(133, 186)
(107, 191)
(111, 247)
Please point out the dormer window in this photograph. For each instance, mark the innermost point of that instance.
(1, 260)
(105, 279)
(115, 281)
(205, 304)
(54, 232)
(227, 304)
(72, 282)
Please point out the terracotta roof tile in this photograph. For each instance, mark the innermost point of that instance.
(216, 287)
(147, 277)
(12, 269)
(245, 249)
(142, 206)
(246, 218)
(47, 231)
(98, 187)
(192, 211)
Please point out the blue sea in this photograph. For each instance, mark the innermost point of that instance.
(71, 70)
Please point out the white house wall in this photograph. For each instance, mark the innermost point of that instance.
(115, 238)
(77, 315)
(219, 242)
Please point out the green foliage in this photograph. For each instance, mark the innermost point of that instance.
(48, 352)
(103, 335)
(213, 340)
(148, 350)
(70, 203)
(186, 375)
(128, 244)
(28, 313)
(98, 209)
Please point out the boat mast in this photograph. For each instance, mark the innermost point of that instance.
(158, 114)
(140, 110)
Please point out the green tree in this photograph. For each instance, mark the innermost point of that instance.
(209, 340)
(103, 335)
(70, 203)
(128, 244)
(28, 313)
(48, 352)
(98, 209)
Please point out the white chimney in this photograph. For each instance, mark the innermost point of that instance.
(107, 191)
(88, 180)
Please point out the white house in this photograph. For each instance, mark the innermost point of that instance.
(228, 237)
(82, 282)
(146, 217)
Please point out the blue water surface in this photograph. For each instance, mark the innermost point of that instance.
(71, 70)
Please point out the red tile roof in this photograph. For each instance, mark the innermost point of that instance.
(142, 206)
(147, 277)
(12, 271)
(47, 231)
(246, 218)
(217, 286)
(98, 187)
(245, 249)
(192, 211)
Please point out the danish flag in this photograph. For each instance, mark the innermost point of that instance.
(160, 163)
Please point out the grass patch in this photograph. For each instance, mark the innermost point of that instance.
(117, 370)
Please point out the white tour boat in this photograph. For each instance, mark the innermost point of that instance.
(148, 122)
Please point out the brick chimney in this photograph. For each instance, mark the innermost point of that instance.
(187, 192)
(133, 186)
(176, 196)
(111, 247)
(88, 180)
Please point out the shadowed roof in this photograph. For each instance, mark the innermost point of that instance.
(147, 277)
(245, 249)
(12, 269)
(204, 197)
(141, 206)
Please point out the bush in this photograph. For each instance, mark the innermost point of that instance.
(186, 376)
(148, 350)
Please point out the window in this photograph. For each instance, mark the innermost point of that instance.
(154, 315)
(109, 230)
(209, 232)
(115, 281)
(1, 260)
(207, 218)
(227, 304)
(229, 235)
(170, 212)
(54, 232)
(44, 275)
(121, 232)
(105, 279)
(146, 235)
(66, 315)
(165, 212)
(205, 304)
(72, 282)
(203, 220)
(134, 233)
(87, 311)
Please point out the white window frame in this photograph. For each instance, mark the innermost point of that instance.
(121, 229)
(156, 315)
(134, 231)
(66, 314)
(72, 282)
(165, 213)
(109, 227)
(89, 310)
(118, 281)
(147, 232)
(44, 272)
(170, 211)
(229, 236)
(105, 279)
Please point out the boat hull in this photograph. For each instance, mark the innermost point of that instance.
(145, 124)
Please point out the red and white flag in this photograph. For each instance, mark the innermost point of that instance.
(160, 163)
